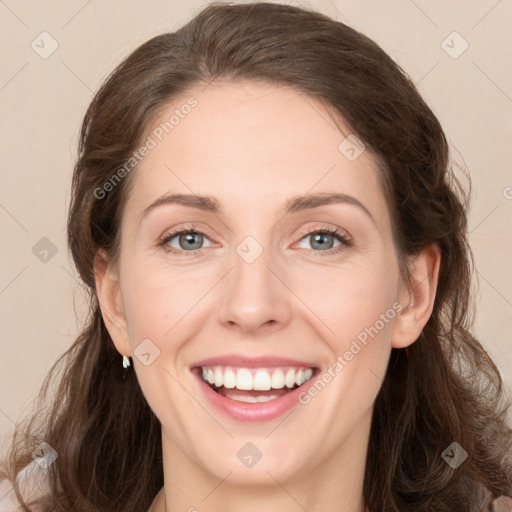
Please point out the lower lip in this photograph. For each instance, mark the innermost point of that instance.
(259, 411)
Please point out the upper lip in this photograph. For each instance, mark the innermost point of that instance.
(242, 361)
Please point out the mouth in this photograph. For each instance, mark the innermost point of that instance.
(253, 389)
(254, 385)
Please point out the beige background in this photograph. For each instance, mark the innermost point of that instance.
(43, 101)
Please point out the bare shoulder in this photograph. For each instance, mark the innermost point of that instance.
(500, 504)
(33, 483)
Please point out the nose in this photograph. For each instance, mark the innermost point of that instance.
(253, 297)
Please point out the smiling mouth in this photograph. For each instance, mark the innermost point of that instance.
(254, 385)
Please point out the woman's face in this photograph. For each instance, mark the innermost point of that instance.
(258, 293)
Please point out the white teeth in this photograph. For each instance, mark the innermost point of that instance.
(244, 379)
(218, 377)
(303, 376)
(260, 379)
(229, 379)
(277, 379)
(253, 399)
(289, 380)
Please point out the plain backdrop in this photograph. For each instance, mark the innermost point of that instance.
(55, 55)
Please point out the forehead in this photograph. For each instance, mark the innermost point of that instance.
(252, 145)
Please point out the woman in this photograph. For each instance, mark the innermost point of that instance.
(311, 350)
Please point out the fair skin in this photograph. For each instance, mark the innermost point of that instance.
(253, 147)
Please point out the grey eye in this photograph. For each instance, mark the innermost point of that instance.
(187, 240)
(321, 241)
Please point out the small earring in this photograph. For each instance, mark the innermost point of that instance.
(126, 362)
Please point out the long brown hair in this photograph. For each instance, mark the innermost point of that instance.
(442, 389)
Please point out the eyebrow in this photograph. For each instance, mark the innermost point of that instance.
(294, 204)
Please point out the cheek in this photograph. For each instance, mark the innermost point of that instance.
(351, 299)
(359, 308)
(157, 298)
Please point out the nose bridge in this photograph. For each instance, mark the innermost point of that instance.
(253, 296)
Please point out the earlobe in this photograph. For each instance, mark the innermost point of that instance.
(419, 297)
(109, 297)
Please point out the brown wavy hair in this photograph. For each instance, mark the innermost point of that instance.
(443, 388)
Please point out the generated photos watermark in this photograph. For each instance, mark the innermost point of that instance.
(156, 136)
(343, 360)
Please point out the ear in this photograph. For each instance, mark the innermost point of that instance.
(417, 297)
(108, 291)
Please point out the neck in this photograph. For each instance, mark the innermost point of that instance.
(333, 485)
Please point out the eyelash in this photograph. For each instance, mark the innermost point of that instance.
(345, 241)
